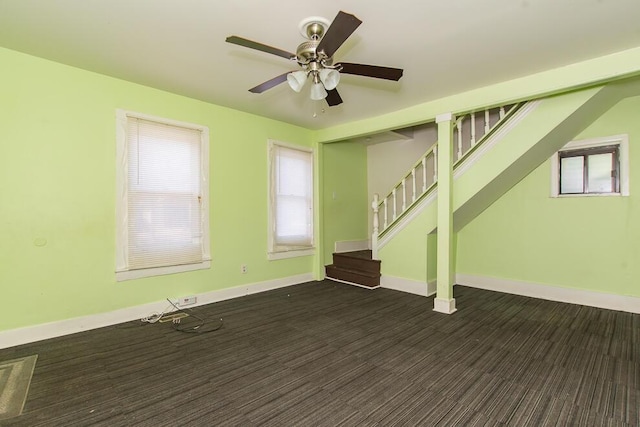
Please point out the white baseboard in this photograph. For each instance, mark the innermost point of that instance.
(346, 282)
(351, 245)
(44, 331)
(410, 286)
(553, 293)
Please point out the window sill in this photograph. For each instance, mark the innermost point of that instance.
(570, 196)
(121, 276)
(290, 254)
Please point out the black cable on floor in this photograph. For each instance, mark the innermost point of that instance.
(199, 328)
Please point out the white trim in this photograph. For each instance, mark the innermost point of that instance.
(626, 303)
(351, 245)
(271, 256)
(346, 282)
(410, 286)
(493, 139)
(274, 251)
(621, 140)
(496, 137)
(122, 271)
(160, 271)
(446, 306)
(44, 331)
(444, 117)
(406, 220)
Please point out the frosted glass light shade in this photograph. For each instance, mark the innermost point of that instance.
(318, 92)
(330, 78)
(297, 80)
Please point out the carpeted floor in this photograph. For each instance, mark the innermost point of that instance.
(330, 354)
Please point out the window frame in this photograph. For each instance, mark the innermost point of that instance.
(588, 147)
(123, 272)
(275, 251)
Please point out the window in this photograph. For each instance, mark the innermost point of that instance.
(290, 201)
(592, 167)
(162, 196)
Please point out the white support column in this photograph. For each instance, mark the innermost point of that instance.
(444, 301)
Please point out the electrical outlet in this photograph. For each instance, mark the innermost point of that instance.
(190, 300)
(243, 269)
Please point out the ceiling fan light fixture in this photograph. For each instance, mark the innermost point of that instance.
(330, 78)
(296, 80)
(318, 92)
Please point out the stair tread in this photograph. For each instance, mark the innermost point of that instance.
(353, 270)
(366, 255)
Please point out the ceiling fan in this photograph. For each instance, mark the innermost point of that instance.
(315, 58)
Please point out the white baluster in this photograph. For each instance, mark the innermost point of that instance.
(374, 234)
(473, 129)
(404, 195)
(435, 163)
(424, 174)
(487, 121)
(395, 203)
(459, 125)
(385, 213)
(413, 178)
(502, 113)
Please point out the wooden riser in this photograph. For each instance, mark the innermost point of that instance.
(363, 278)
(345, 260)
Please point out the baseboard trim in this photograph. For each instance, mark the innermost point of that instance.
(553, 293)
(351, 245)
(44, 331)
(346, 282)
(410, 286)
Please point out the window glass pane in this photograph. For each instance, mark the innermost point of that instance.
(164, 195)
(292, 198)
(572, 175)
(599, 166)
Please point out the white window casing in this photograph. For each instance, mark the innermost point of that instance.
(162, 196)
(291, 201)
(622, 141)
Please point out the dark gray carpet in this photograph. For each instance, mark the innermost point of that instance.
(331, 354)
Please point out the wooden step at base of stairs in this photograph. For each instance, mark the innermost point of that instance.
(358, 260)
(357, 277)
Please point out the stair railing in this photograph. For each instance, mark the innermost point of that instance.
(470, 130)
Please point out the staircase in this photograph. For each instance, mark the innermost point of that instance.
(356, 268)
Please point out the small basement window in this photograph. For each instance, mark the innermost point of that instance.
(591, 168)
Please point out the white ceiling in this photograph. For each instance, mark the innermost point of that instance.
(445, 47)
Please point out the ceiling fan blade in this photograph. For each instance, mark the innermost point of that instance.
(259, 46)
(340, 29)
(333, 98)
(270, 83)
(374, 71)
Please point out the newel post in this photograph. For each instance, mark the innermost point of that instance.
(376, 225)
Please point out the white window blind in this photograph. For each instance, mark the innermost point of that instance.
(163, 211)
(291, 198)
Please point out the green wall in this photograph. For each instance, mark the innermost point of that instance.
(591, 243)
(57, 184)
(345, 211)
